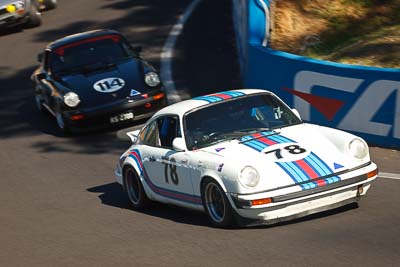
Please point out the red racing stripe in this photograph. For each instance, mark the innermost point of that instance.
(310, 172)
(223, 96)
(263, 139)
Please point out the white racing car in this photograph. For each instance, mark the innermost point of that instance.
(243, 157)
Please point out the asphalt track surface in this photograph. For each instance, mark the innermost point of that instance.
(60, 205)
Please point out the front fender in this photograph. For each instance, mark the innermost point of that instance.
(213, 175)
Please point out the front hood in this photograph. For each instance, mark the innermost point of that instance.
(104, 86)
(5, 2)
(293, 155)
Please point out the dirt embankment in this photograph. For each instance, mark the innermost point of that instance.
(361, 32)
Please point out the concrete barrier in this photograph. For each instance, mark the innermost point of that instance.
(362, 100)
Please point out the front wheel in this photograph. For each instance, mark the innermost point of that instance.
(35, 18)
(216, 204)
(134, 188)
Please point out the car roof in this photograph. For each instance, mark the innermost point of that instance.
(80, 36)
(183, 107)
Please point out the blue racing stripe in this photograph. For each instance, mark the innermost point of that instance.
(292, 173)
(259, 143)
(232, 93)
(276, 138)
(137, 163)
(299, 171)
(318, 162)
(209, 99)
(283, 139)
(314, 166)
(253, 146)
(325, 170)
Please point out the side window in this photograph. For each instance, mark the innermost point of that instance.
(149, 135)
(169, 128)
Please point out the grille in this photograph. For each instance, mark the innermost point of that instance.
(3, 11)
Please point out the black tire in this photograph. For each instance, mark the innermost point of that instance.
(216, 204)
(134, 189)
(50, 4)
(35, 18)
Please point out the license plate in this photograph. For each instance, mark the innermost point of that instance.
(122, 117)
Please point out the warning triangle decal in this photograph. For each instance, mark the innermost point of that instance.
(337, 166)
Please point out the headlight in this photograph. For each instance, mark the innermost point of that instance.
(71, 99)
(358, 148)
(151, 79)
(249, 177)
(15, 6)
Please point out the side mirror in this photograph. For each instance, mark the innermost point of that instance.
(133, 135)
(40, 57)
(41, 76)
(296, 112)
(179, 144)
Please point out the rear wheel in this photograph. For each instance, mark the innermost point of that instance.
(216, 204)
(35, 18)
(134, 188)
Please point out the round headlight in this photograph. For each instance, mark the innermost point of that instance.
(71, 99)
(152, 79)
(358, 148)
(249, 177)
(11, 8)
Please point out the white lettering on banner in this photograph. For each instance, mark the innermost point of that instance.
(360, 115)
(304, 81)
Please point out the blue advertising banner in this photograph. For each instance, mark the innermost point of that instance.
(361, 100)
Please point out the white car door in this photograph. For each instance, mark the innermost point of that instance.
(168, 170)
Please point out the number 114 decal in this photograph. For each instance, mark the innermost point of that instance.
(109, 85)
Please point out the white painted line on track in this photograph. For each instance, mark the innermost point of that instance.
(388, 175)
(167, 53)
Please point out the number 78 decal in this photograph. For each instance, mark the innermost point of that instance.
(286, 152)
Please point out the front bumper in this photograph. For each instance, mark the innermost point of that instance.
(287, 206)
(99, 117)
(11, 19)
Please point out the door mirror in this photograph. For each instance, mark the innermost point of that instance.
(178, 144)
(41, 76)
(133, 135)
(296, 112)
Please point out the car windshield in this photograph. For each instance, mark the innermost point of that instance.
(89, 54)
(233, 119)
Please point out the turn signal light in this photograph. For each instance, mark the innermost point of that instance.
(261, 201)
(372, 173)
(158, 96)
(77, 117)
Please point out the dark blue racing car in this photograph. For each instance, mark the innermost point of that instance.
(96, 79)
